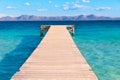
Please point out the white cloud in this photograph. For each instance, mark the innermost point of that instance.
(73, 6)
(50, 1)
(103, 8)
(56, 6)
(27, 4)
(66, 7)
(10, 7)
(42, 10)
(67, 2)
(2, 15)
(77, 1)
(77, 6)
(86, 1)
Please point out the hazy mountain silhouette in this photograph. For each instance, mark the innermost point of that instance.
(61, 18)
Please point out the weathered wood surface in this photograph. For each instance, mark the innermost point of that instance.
(56, 58)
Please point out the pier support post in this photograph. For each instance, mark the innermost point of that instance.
(71, 29)
(43, 29)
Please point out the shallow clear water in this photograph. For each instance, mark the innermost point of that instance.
(99, 42)
(17, 42)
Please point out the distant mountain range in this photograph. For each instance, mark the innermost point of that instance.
(56, 18)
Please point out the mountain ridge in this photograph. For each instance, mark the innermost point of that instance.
(57, 18)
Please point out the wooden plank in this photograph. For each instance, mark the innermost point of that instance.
(56, 58)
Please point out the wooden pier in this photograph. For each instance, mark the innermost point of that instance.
(56, 58)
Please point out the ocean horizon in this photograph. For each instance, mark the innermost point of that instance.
(98, 41)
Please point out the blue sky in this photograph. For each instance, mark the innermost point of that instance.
(59, 7)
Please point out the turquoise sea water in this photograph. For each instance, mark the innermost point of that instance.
(17, 42)
(99, 42)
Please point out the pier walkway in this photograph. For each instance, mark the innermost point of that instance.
(56, 58)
